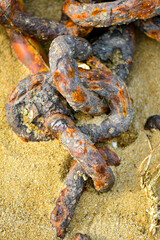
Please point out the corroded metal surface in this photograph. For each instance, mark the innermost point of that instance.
(67, 201)
(106, 84)
(13, 15)
(33, 111)
(26, 47)
(30, 102)
(37, 111)
(29, 51)
(115, 47)
(111, 13)
(83, 150)
(151, 27)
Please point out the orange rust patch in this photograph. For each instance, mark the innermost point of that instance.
(71, 131)
(71, 72)
(124, 110)
(123, 99)
(84, 15)
(12, 96)
(86, 110)
(78, 95)
(77, 30)
(79, 16)
(25, 139)
(100, 169)
(98, 11)
(60, 79)
(105, 109)
(57, 73)
(70, 24)
(64, 193)
(121, 93)
(3, 6)
(28, 51)
(57, 76)
(154, 34)
(99, 185)
(85, 150)
(104, 10)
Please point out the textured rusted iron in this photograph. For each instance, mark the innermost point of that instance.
(105, 84)
(33, 101)
(83, 150)
(67, 201)
(27, 48)
(38, 27)
(11, 14)
(34, 111)
(46, 29)
(151, 27)
(29, 51)
(152, 122)
(106, 14)
(115, 48)
(88, 156)
(27, 110)
(121, 112)
(30, 102)
(37, 111)
(94, 63)
(67, 77)
(69, 196)
(7, 7)
(109, 156)
(80, 236)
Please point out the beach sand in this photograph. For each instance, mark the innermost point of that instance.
(32, 174)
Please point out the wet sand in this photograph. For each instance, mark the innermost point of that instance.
(32, 174)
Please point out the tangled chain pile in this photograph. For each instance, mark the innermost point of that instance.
(43, 105)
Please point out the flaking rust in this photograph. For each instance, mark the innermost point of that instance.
(114, 13)
(41, 107)
(12, 13)
(115, 47)
(76, 178)
(151, 27)
(37, 111)
(67, 201)
(34, 111)
(106, 88)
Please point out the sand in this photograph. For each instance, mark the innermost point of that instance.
(32, 174)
